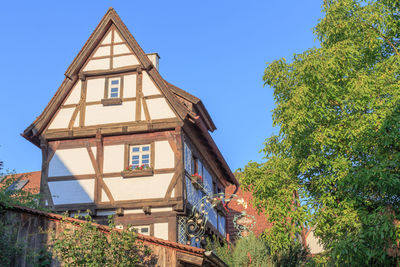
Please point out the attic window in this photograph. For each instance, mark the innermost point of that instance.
(114, 88)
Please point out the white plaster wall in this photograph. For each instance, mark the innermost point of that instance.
(98, 64)
(142, 115)
(164, 155)
(107, 39)
(133, 211)
(104, 197)
(73, 161)
(95, 89)
(113, 158)
(161, 209)
(62, 119)
(153, 210)
(161, 230)
(130, 85)
(99, 114)
(124, 61)
(75, 191)
(148, 87)
(75, 94)
(313, 243)
(121, 49)
(159, 109)
(139, 187)
(173, 193)
(102, 51)
(117, 37)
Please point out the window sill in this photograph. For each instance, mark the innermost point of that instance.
(111, 101)
(197, 184)
(137, 173)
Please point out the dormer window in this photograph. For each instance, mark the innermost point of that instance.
(114, 87)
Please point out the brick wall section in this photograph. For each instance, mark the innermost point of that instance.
(234, 208)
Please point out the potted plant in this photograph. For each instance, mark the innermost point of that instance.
(137, 171)
(197, 180)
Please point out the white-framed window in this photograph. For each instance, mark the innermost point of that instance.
(139, 155)
(114, 87)
(142, 229)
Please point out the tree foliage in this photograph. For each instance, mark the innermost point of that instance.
(256, 251)
(84, 244)
(338, 110)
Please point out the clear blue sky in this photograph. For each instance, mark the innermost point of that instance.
(216, 50)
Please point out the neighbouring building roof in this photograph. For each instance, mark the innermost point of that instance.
(28, 181)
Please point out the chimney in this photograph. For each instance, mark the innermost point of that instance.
(154, 58)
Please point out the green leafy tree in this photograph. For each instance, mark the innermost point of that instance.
(256, 251)
(84, 244)
(337, 154)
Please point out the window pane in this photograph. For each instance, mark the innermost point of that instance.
(114, 81)
(145, 161)
(135, 162)
(135, 157)
(114, 94)
(135, 149)
(114, 90)
(146, 148)
(146, 156)
(144, 230)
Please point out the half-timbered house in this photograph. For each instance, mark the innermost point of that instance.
(116, 138)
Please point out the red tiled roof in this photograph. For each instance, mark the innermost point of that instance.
(33, 178)
(144, 238)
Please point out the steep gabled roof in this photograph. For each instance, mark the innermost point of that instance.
(199, 106)
(33, 132)
(198, 114)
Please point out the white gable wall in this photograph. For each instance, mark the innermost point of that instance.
(124, 61)
(159, 109)
(98, 64)
(99, 114)
(62, 118)
(73, 161)
(103, 51)
(113, 158)
(139, 187)
(107, 39)
(130, 85)
(149, 88)
(75, 94)
(164, 155)
(121, 49)
(95, 89)
(73, 191)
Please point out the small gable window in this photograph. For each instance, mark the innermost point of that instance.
(140, 156)
(114, 88)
